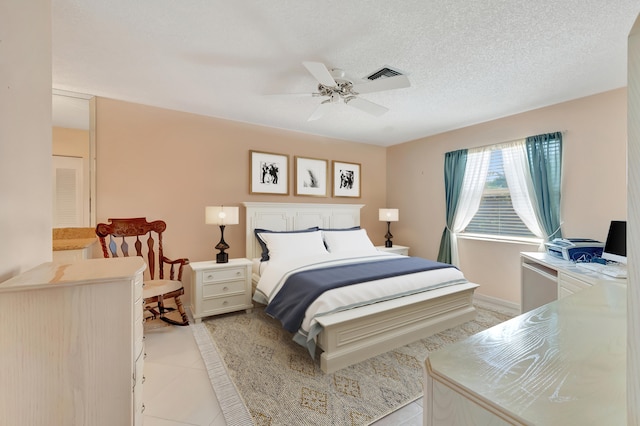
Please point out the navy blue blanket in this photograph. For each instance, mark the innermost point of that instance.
(302, 288)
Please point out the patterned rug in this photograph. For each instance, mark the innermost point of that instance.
(259, 374)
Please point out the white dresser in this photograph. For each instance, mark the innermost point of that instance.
(218, 288)
(72, 344)
(563, 363)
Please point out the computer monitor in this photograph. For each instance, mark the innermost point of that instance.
(615, 248)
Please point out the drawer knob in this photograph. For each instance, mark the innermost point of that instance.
(225, 288)
(209, 276)
(225, 303)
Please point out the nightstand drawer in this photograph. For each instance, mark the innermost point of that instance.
(219, 303)
(223, 274)
(220, 289)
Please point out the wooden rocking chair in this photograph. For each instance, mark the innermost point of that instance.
(121, 233)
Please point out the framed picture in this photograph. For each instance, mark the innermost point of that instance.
(311, 176)
(269, 173)
(346, 179)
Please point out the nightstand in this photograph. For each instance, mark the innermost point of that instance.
(403, 250)
(218, 288)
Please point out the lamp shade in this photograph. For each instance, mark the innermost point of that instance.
(388, 215)
(221, 215)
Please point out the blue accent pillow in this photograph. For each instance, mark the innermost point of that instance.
(265, 249)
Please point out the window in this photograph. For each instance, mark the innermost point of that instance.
(496, 215)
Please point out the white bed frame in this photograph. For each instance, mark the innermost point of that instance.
(352, 336)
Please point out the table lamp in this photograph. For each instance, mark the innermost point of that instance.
(388, 215)
(222, 216)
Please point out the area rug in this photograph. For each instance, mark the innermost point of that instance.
(261, 376)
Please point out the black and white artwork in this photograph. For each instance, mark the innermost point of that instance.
(311, 176)
(346, 179)
(269, 173)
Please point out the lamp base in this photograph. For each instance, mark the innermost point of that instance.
(388, 236)
(222, 257)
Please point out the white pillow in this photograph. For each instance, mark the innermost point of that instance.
(287, 246)
(345, 241)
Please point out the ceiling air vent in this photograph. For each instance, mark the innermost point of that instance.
(384, 72)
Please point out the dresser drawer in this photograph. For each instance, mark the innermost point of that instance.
(223, 274)
(224, 288)
(220, 303)
(137, 289)
(138, 327)
(138, 384)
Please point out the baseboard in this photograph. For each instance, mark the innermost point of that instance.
(496, 304)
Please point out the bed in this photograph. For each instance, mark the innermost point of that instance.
(345, 337)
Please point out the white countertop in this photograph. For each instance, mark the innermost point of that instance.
(60, 274)
(568, 266)
(563, 363)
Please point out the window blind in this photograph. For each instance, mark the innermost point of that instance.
(496, 215)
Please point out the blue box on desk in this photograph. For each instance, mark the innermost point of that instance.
(575, 249)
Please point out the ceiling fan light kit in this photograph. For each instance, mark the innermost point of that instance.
(338, 87)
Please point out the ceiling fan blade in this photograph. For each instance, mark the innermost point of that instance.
(366, 106)
(289, 95)
(320, 72)
(320, 111)
(383, 83)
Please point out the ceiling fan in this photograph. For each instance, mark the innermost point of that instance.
(337, 86)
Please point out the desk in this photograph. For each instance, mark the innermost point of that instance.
(545, 278)
(563, 363)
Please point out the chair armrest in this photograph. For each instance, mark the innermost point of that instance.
(180, 262)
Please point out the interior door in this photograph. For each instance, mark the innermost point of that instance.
(68, 190)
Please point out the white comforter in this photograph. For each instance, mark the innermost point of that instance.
(273, 278)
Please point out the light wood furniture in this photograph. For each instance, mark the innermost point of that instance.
(545, 278)
(560, 364)
(122, 233)
(71, 339)
(218, 288)
(403, 250)
(352, 336)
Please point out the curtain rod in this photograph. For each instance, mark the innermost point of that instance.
(497, 144)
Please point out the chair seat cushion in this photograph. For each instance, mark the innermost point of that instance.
(154, 288)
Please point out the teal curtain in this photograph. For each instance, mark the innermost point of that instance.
(455, 163)
(544, 155)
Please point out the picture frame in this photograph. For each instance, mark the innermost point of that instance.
(268, 173)
(346, 179)
(311, 176)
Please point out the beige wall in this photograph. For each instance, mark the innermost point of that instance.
(71, 142)
(25, 136)
(169, 165)
(594, 183)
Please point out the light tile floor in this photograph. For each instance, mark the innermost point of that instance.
(177, 390)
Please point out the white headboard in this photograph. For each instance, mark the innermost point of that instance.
(294, 216)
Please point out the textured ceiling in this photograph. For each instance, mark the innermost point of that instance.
(468, 61)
